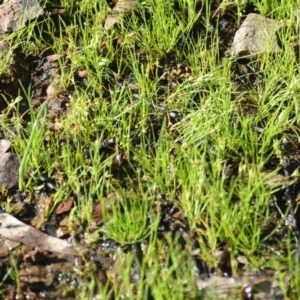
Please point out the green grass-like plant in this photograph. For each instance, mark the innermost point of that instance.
(212, 162)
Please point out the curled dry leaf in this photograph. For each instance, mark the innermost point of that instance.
(65, 206)
(122, 7)
(264, 284)
(15, 13)
(13, 229)
(53, 57)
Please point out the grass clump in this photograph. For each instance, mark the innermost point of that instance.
(181, 162)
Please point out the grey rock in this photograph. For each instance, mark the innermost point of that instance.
(4, 146)
(15, 13)
(9, 166)
(257, 34)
